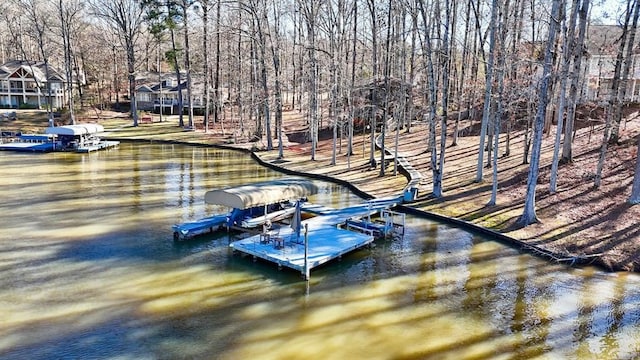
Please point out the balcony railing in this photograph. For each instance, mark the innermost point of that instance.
(31, 91)
(166, 102)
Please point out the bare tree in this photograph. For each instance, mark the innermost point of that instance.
(353, 81)
(40, 25)
(69, 12)
(488, 90)
(277, 71)
(578, 50)
(622, 91)
(184, 6)
(433, 98)
(497, 116)
(617, 91)
(374, 64)
(635, 189)
(310, 10)
(529, 213)
(568, 35)
(125, 18)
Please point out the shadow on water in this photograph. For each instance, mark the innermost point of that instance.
(116, 285)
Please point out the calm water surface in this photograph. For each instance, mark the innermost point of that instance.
(88, 269)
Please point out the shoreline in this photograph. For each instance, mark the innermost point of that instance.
(579, 224)
(269, 162)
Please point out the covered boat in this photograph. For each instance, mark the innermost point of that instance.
(75, 130)
(80, 137)
(261, 194)
(252, 205)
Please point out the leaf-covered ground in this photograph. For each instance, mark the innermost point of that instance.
(578, 222)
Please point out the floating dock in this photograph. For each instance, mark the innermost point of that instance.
(325, 240)
(102, 144)
(287, 249)
(81, 138)
(278, 207)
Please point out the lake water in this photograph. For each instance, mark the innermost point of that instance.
(88, 269)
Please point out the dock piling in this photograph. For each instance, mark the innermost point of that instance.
(306, 253)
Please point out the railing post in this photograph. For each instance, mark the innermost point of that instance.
(306, 253)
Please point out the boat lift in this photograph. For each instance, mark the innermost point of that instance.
(253, 205)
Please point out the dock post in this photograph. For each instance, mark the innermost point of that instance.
(306, 253)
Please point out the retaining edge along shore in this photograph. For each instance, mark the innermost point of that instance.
(571, 260)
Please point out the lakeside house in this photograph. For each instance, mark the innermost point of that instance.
(24, 84)
(602, 45)
(161, 90)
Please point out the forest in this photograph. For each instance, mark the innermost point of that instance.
(483, 68)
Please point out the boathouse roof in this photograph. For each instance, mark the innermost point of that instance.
(78, 129)
(262, 193)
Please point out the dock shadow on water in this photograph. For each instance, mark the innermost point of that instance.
(89, 269)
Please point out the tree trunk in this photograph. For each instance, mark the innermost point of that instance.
(374, 95)
(463, 68)
(65, 27)
(387, 70)
(187, 61)
(310, 11)
(488, 90)
(205, 50)
(432, 101)
(216, 80)
(564, 73)
(497, 118)
(635, 189)
(529, 214)
(578, 50)
(174, 58)
(131, 67)
(622, 90)
(275, 52)
(353, 81)
(613, 98)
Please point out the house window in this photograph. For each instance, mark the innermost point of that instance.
(16, 85)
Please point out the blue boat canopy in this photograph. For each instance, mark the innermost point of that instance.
(262, 193)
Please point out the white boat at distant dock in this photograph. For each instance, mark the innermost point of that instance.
(80, 137)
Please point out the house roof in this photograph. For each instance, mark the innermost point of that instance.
(197, 86)
(604, 39)
(37, 69)
(144, 88)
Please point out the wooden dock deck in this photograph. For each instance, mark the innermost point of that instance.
(98, 146)
(325, 240)
(287, 250)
